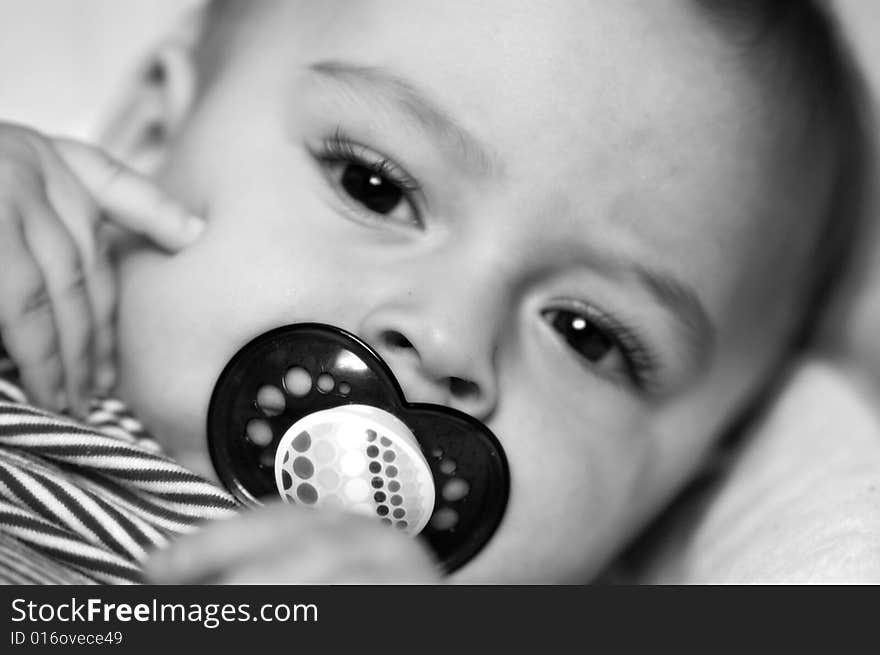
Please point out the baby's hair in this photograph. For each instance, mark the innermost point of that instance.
(797, 44)
(797, 50)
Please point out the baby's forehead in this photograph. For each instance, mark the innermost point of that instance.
(564, 39)
(567, 70)
(636, 111)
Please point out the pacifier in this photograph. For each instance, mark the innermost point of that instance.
(312, 414)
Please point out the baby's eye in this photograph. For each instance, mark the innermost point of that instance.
(375, 192)
(608, 348)
(584, 336)
(371, 189)
(371, 184)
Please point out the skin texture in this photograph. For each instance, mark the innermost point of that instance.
(617, 137)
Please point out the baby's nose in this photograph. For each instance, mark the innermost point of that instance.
(436, 364)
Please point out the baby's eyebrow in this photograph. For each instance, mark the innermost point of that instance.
(416, 103)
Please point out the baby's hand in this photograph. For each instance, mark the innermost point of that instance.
(57, 289)
(285, 544)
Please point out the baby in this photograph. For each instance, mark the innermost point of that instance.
(597, 227)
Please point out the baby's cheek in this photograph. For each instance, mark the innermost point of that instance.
(181, 318)
(161, 344)
(572, 505)
(178, 323)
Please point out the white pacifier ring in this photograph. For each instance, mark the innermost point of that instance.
(358, 458)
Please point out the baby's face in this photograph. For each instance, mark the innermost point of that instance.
(558, 217)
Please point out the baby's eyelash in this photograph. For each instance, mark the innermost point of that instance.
(640, 360)
(340, 148)
(641, 363)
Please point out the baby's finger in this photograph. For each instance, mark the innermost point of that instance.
(77, 209)
(102, 288)
(59, 259)
(338, 566)
(285, 544)
(27, 323)
(132, 200)
(219, 546)
(334, 548)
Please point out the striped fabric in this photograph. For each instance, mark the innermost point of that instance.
(84, 503)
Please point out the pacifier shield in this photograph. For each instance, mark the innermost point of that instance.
(294, 414)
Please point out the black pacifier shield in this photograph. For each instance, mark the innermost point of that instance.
(344, 370)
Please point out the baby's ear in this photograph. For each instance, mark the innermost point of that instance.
(157, 102)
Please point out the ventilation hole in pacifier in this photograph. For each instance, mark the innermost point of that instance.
(306, 493)
(303, 467)
(298, 381)
(259, 432)
(267, 458)
(455, 489)
(302, 442)
(271, 400)
(444, 519)
(344, 388)
(326, 383)
(447, 466)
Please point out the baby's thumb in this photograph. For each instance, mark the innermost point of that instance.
(130, 199)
